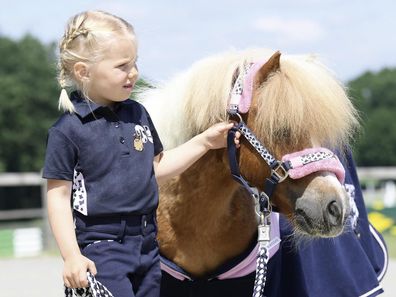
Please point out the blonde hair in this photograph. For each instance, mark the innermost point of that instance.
(86, 38)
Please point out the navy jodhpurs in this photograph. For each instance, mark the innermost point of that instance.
(125, 252)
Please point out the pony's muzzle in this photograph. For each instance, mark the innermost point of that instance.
(321, 218)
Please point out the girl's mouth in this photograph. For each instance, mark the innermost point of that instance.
(128, 86)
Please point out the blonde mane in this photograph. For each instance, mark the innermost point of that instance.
(302, 98)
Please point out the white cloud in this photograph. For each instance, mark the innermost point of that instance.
(293, 30)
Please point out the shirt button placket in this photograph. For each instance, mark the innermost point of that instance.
(117, 125)
(121, 139)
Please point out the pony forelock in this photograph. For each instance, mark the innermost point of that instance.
(305, 100)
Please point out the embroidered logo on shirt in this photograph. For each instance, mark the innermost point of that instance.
(141, 136)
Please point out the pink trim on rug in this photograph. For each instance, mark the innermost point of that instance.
(248, 265)
(176, 274)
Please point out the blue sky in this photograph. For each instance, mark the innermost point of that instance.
(350, 36)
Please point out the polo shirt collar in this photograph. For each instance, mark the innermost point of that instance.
(85, 107)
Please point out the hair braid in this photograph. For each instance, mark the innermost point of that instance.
(75, 29)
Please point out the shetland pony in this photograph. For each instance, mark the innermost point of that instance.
(205, 218)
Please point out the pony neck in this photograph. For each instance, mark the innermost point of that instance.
(207, 185)
(204, 218)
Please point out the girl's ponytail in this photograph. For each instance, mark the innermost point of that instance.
(65, 103)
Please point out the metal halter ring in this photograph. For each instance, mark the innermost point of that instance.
(279, 172)
(238, 115)
(269, 206)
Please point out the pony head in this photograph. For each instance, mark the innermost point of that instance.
(296, 104)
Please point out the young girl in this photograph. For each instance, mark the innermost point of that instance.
(104, 159)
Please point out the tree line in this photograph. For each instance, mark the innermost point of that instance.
(29, 95)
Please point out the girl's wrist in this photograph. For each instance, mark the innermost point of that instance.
(71, 254)
(204, 141)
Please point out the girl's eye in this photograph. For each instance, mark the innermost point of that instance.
(127, 66)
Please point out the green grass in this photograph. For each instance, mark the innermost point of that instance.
(6, 245)
(391, 245)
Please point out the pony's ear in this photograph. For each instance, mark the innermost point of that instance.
(273, 64)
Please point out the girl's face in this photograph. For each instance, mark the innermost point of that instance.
(113, 78)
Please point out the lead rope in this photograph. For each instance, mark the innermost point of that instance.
(264, 209)
(261, 271)
(264, 237)
(95, 289)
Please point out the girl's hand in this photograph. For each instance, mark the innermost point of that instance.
(215, 137)
(75, 271)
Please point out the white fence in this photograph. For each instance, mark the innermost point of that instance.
(22, 242)
(40, 238)
(380, 184)
(20, 180)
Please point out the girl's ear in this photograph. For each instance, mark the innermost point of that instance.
(81, 72)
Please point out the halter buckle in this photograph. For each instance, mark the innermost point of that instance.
(279, 172)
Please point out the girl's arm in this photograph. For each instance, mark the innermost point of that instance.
(61, 221)
(173, 162)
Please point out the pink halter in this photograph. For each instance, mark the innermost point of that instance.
(300, 163)
(242, 92)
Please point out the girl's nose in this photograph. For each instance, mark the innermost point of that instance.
(133, 73)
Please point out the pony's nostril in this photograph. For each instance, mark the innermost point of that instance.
(333, 209)
(334, 213)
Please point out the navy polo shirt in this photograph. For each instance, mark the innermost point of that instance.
(108, 155)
